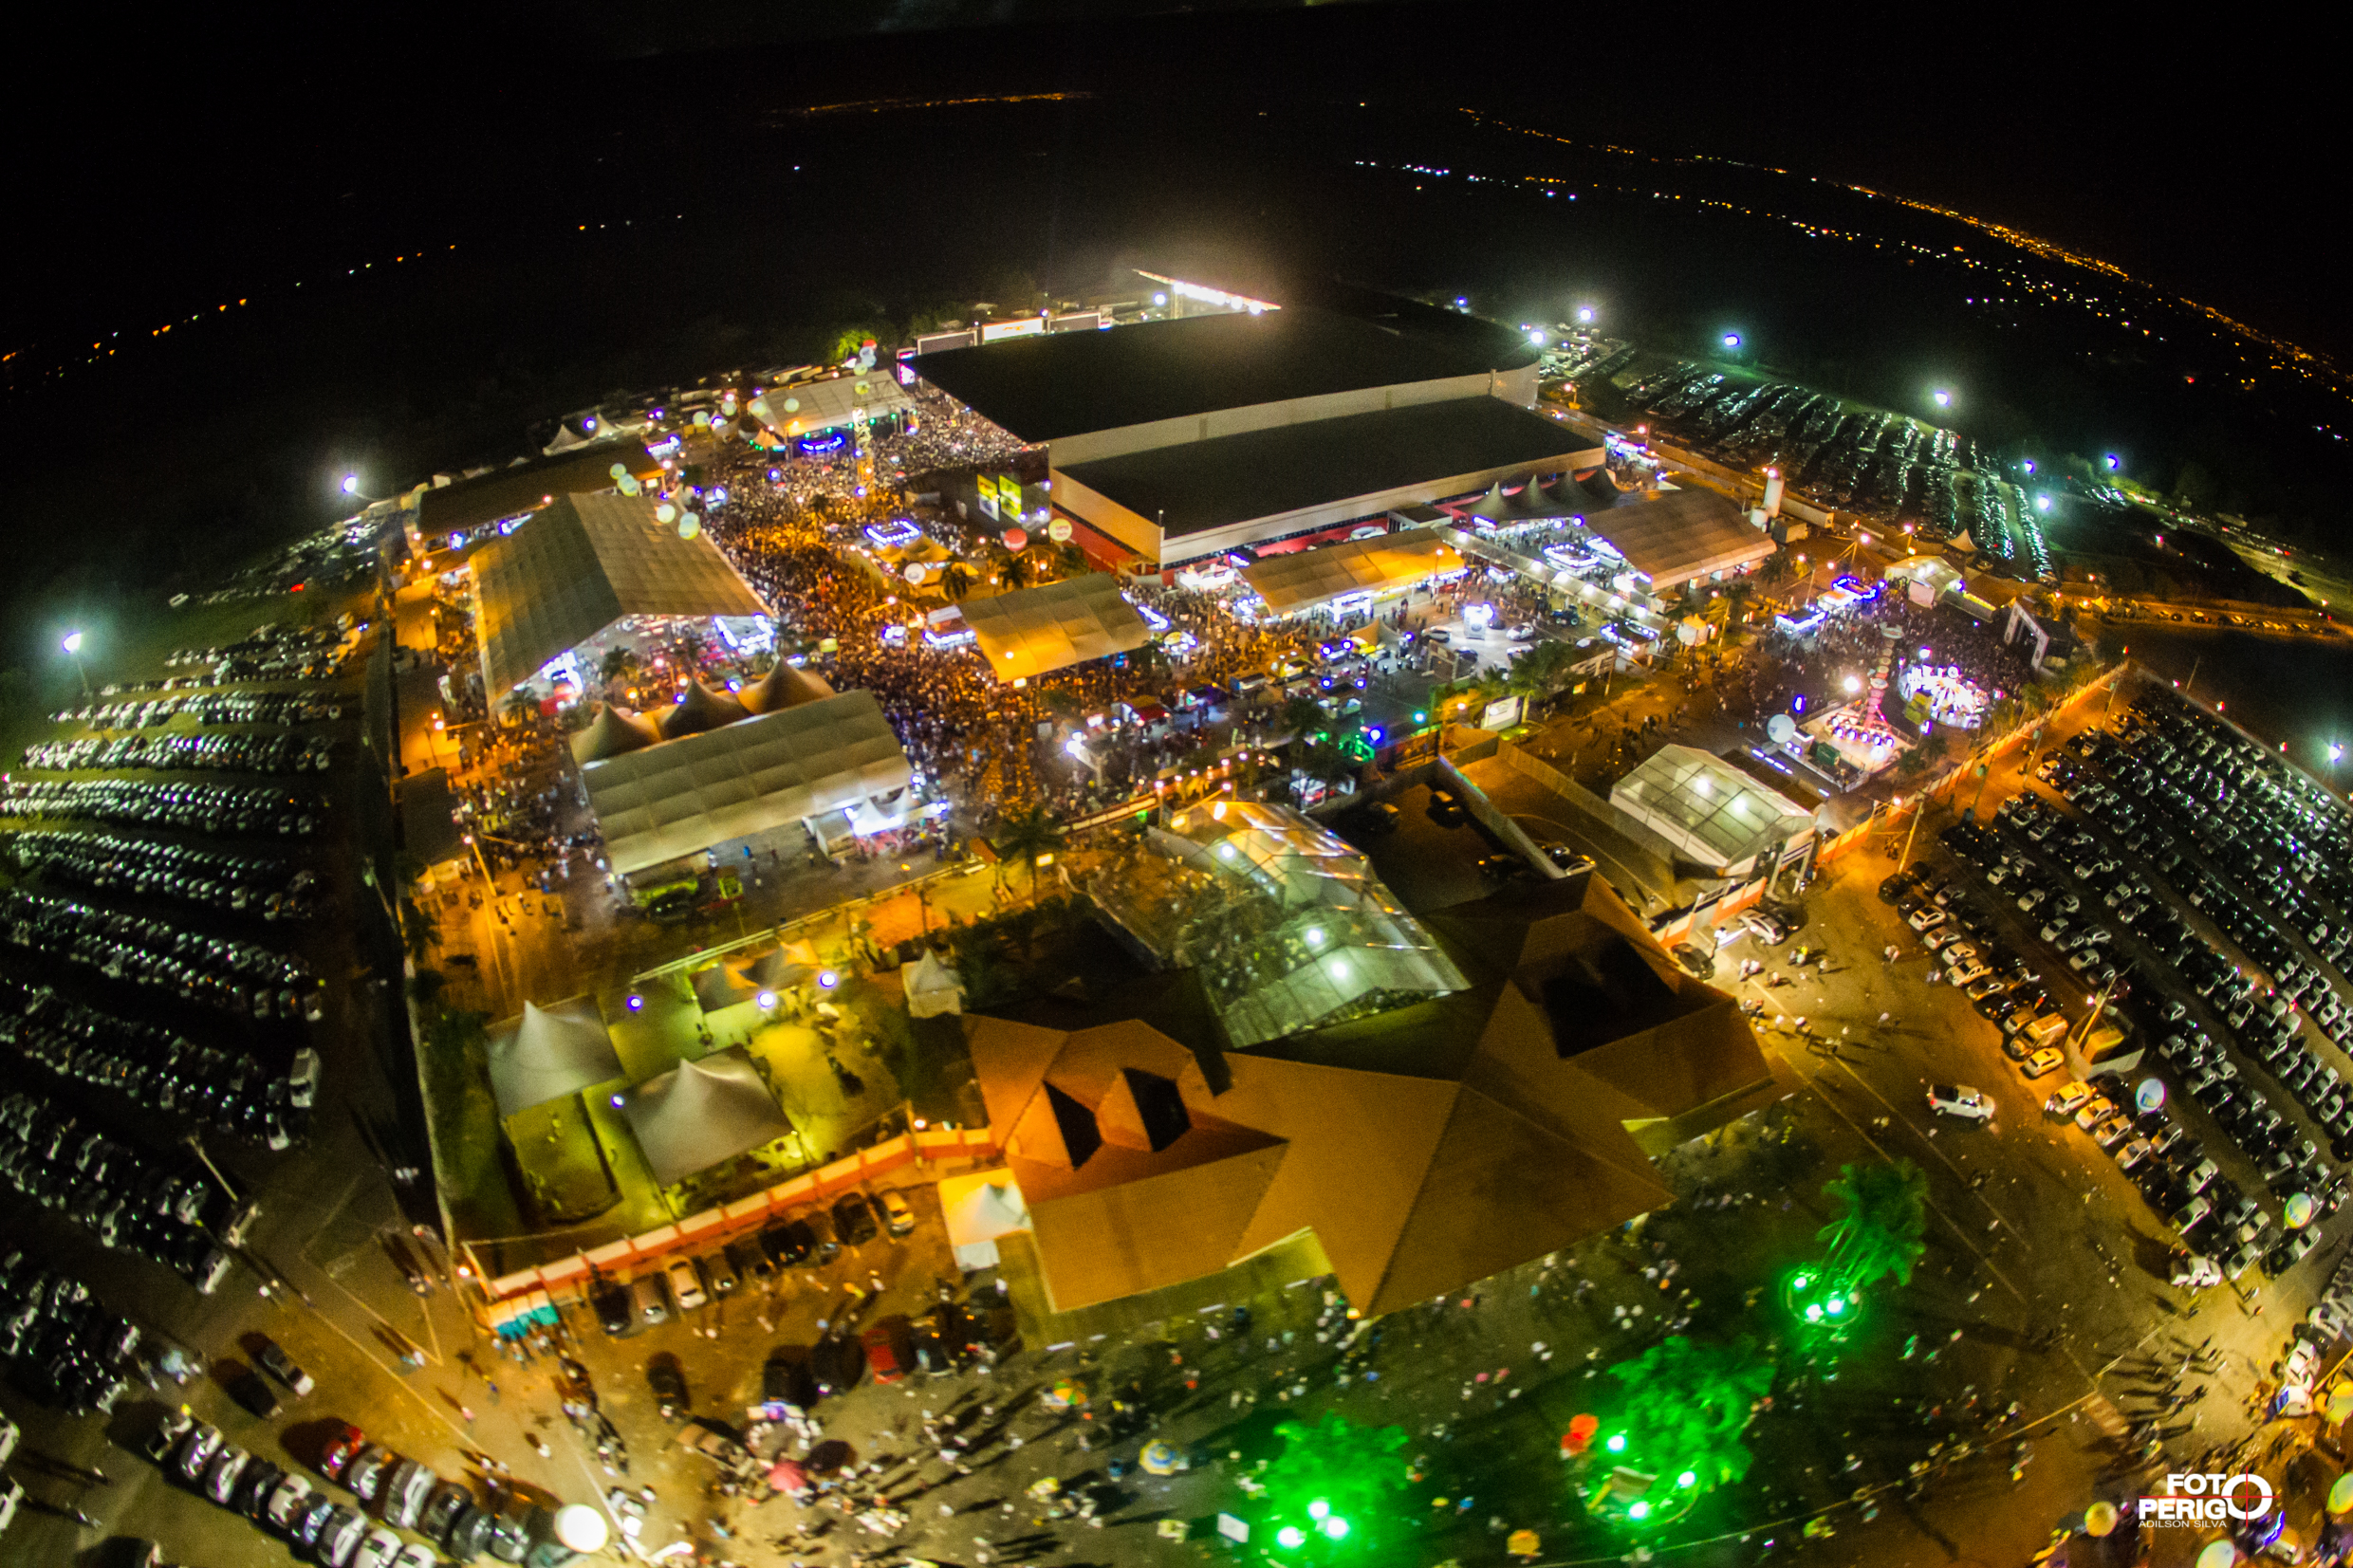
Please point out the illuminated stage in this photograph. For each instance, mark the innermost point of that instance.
(1942, 694)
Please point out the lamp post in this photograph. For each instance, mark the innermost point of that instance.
(73, 646)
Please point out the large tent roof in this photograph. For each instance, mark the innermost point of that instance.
(1679, 535)
(668, 801)
(701, 1112)
(813, 406)
(1303, 578)
(1404, 1138)
(1032, 631)
(613, 731)
(549, 1052)
(582, 563)
(520, 487)
(787, 686)
(1712, 813)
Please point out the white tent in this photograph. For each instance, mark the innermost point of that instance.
(719, 986)
(979, 1209)
(931, 986)
(701, 1112)
(549, 1052)
(661, 803)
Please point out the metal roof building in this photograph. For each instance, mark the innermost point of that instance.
(1182, 502)
(582, 563)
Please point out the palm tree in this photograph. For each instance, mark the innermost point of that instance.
(619, 664)
(1687, 1403)
(955, 580)
(1027, 835)
(1883, 1226)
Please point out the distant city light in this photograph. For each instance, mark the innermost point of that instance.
(1159, 299)
(827, 980)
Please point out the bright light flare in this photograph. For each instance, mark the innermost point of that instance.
(73, 642)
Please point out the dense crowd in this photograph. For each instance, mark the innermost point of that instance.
(1852, 642)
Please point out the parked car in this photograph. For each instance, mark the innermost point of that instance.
(650, 1302)
(888, 1354)
(686, 1283)
(897, 1213)
(275, 1361)
(853, 1219)
(248, 1388)
(1961, 1101)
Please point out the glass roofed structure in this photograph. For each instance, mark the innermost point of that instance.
(1715, 816)
(1286, 925)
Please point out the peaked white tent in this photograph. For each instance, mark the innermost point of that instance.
(701, 1112)
(549, 1052)
(979, 1209)
(931, 986)
(720, 985)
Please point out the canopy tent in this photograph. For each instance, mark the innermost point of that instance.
(867, 818)
(931, 986)
(787, 686)
(978, 1209)
(778, 970)
(1033, 630)
(719, 985)
(814, 405)
(666, 802)
(701, 709)
(582, 563)
(1680, 536)
(1928, 577)
(1304, 580)
(613, 731)
(701, 1112)
(549, 1052)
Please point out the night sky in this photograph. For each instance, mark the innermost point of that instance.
(165, 169)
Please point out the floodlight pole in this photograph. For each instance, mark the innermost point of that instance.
(1919, 809)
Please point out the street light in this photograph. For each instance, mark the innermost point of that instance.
(1942, 397)
(1731, 340)
(351, 484)
(1585, 315)
(1536, 336)
(73, 646)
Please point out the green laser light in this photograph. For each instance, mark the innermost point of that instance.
(1291, 1538)
(1319, 1508)
(1334, 1527)
(1617, 1442)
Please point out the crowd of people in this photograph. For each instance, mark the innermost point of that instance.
(1851, 642)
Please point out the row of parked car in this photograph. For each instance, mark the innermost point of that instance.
(60, 1345)
(224, 810)
(685, 1284)
(149, 1203)
(269, 653)
(405, 1495)
(234, 881)
(218, 972)
(210, 705)
(215, 752)
(230, 1091)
